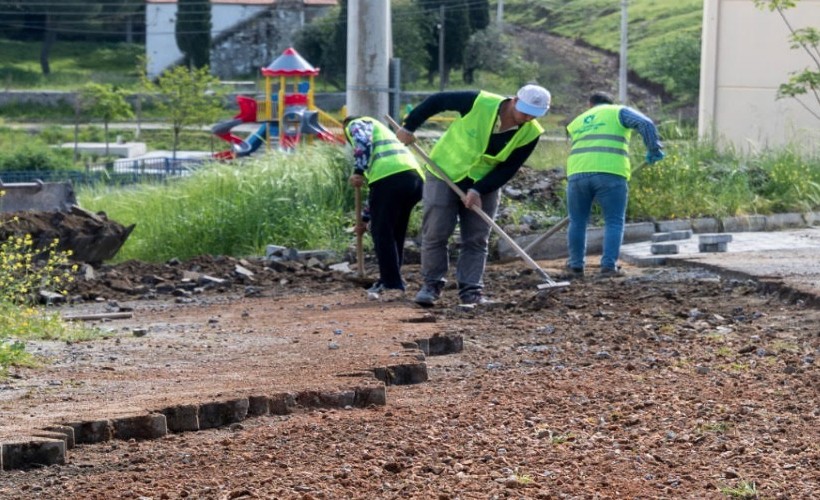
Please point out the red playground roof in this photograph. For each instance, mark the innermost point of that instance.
(290, 63)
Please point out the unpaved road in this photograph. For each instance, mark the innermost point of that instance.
(671, 383)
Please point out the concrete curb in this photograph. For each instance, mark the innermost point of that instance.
(556, 246)
(48, 446)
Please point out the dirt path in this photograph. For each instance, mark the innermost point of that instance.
(671, 383)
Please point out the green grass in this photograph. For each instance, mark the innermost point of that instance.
(744, 489)
(299, 200)
(72, 64)
(597, 22)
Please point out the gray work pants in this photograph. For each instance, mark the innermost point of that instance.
(442, 209)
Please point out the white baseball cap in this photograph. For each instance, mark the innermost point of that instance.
(533, 100)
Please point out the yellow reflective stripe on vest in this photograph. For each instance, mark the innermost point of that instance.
(461, 150)
(599, 142)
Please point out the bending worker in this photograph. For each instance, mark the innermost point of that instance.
(598, 169)
(480, 151)
(395, 181)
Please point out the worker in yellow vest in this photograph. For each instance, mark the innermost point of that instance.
(395, 182)
(480, 151)
(598, 169)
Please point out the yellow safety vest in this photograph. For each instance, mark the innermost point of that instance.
(461, 150)
(389, 155)
(599, 142)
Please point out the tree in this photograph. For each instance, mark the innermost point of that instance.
(49, 19)
(457, 30)
(188, 97)
(676, 64)
(804, 83)
(193, 31)
(105, 102)
(487, 49)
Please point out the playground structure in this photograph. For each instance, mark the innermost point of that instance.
(288, 113)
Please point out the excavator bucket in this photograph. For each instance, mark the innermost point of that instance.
(37, 195)
(49, 211)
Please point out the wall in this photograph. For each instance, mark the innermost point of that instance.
(245, 37)
(746, 55)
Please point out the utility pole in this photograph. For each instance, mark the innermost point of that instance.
(622, 83)
(441, 48)
(369, 49)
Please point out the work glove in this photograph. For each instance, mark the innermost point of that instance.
(654, 156)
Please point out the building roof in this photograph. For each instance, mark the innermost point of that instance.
(253, 2)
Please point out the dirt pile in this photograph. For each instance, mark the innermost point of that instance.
(90, 237)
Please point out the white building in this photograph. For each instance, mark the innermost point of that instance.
(226, 15)
(745, 57)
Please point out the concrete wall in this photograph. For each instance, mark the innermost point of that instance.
(746, 55)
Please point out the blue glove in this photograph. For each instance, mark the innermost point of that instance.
(654, 156)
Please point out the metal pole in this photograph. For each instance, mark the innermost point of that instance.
(622, 83)
(441, 48)
(395, 88)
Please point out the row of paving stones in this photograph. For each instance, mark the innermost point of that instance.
(556, 246)
(48, 446)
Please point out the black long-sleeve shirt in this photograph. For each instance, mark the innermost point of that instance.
(462, 102)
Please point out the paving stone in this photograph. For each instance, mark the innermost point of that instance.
(182, 418)
(441, 345)
(661, 237)
(221, 413)
(30, 452)
(282, 403)
(95, 431)
(784, 221)
(402, 374)
(708, 239)
(664, 248)
(371, 395)
(258, 406)
(705, 225)
(682, 234)
(712, 247)
(743, 223)
(667, 226)
(151, 426)
(67, 430)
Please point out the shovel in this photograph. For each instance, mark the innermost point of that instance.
(549, 284)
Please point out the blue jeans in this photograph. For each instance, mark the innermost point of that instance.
(611, 192)
(442, 209)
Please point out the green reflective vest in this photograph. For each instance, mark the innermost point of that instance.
(461, 150)
(389, 155)
(599, 142)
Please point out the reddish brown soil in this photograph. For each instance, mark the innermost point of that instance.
(665, 384)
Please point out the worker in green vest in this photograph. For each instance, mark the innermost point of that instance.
(598, 169)
(395, 182)
(480, 151)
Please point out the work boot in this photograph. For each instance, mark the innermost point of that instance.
(472, 297)
(572, 273)
(611, 272)
(428, 295)
(374, 292)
